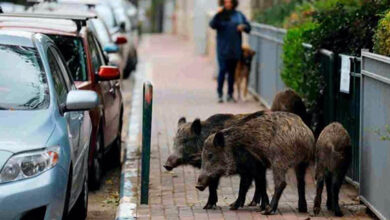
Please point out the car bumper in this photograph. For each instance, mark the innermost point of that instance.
(42, 196)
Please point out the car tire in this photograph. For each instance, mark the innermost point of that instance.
(131, 65)
(67, 197)
(80, 208)
(117, 148)
(96, 173)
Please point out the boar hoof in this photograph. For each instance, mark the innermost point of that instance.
(329, 206)
(302, 208)
(235, 205)
(210, 206)
(253, 203)
(316, 210)
(338, 213)
(267, 210)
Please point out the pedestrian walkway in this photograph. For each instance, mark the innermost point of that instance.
(184, 86)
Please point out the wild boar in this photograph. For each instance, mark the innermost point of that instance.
(289, 101)
(278, 140)
(333, 157)
(188, 144)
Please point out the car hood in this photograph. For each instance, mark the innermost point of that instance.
(24, 130)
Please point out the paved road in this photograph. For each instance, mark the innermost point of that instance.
(184, 87)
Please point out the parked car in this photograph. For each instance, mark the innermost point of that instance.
(124, 13)
(109, 46)
(45, 131)
(86, 60)
(117, 21)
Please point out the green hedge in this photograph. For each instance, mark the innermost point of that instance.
(275, 15)
(382, 36)
(341, 26)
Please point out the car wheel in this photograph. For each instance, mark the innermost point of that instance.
(80, 208)
(131, 64)
(128, 69)
(67, 197)
(117, 148)
(97, 164)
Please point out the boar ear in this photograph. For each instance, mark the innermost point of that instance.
(196, 126)
(219, 140)
(182, 120)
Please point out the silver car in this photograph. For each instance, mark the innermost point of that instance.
(44, 132)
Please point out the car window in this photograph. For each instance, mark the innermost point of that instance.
(65, 72)
(59, 82)
(23, 82)
(95, 54)
(102, 32)
(72, 48)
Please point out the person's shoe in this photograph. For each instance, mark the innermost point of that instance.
(220, 100)
(230, 99)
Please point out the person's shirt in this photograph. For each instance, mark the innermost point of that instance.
(229, 39)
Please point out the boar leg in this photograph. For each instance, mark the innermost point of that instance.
(258, 194)
(213, 197)
(245, 183)
(300, 172)
(337, 182)
(328, 181)
(318, 198)
(261, 190)
(280, 185)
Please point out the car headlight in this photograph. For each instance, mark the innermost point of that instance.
(26, 165)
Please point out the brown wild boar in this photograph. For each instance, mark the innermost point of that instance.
(289, 101)
(188, 144)
(333, 157)
(279, 140)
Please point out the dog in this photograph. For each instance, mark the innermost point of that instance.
(242, 71)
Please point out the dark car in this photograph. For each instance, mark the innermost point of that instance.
(85, 59)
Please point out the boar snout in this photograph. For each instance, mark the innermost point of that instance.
(203, 182)
(172, 162)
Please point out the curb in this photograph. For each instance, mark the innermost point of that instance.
(129, 173)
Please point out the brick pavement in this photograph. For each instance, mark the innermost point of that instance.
(183, 86)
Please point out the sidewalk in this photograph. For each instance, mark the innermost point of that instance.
(183, 86)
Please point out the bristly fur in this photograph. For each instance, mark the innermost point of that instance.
(280, 140)
(189, 140)
(289, 101)
(333, 157)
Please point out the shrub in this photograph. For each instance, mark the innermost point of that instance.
(275, 15)
(341, 26)
(382, 36)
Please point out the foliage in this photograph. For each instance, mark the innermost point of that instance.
(275, 15)
(382, 36)
(348, 26)
(341, 26)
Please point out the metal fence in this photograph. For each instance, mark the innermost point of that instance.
(375, 145)
(340, 106)
(265, 79)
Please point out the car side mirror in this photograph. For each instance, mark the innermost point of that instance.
(81, 100)
(107, 73)
(111, 48)
(120, 40)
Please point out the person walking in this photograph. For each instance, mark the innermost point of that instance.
(229, 24)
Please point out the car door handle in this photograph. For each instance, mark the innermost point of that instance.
(117, 85)
(81, 117)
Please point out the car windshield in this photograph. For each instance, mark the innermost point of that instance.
(102, 32)
(73, 51)
(23, 83)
